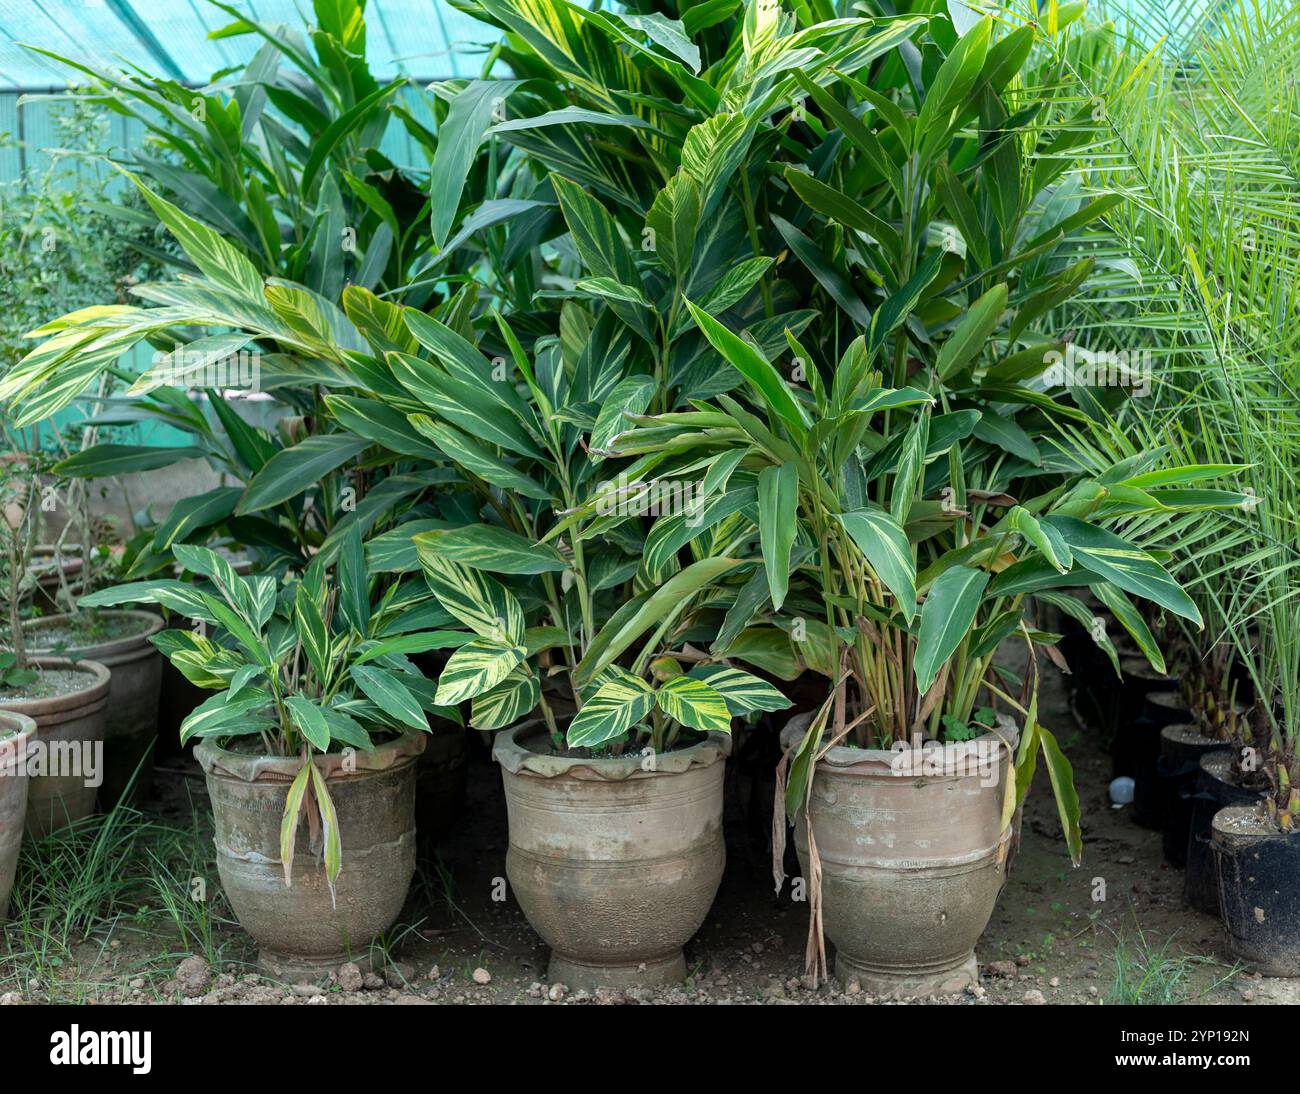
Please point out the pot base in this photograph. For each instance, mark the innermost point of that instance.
(575, 975)
(911, 981)
(296, 969)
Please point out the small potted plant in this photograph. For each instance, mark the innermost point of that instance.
(65, 699)
(119, 640)
(17, 732)
(309, 745)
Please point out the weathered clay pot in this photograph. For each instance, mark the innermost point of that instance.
(301, 932)
(614, 865)
(17, 732)
(440, 783)
(70, 730)
(48, 583)
(131, 720)
(913, 855)
(1259, 871)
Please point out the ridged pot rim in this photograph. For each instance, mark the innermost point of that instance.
(94, 694)
(17, 731)
(255, 767)
(515, 758)
(843, 756)
(101, 650)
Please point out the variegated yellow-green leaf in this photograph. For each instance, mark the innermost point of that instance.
(506, 703)
(743, 692)
(778, 500)
(309, 720)
(614, 709)
(497, 550)
(329, 820)
(475, 668)
(693, 703)
(482, 603)
(289, 819)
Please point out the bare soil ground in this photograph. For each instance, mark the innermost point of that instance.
(464, 940)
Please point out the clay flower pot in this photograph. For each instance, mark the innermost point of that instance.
(131, 720)
(913, 856)
(17, 732)
(615, 862)
(1259, 873)
(65, 775)
(302, 933)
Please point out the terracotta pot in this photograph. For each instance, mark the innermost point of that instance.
(913, 856)
(131, 721)
(440, 782)
(17, 732)
(614, 864)
(1259, 872)
(70, 730)
(302, 933)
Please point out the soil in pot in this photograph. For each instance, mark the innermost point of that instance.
(118, 640)
(615, 861)
(17, 732)
(302, 931)
(67, 702)
(1259, 874)
(1181, 749)
(913, 855)
(1216, 788)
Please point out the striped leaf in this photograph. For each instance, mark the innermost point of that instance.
(293, 807)
(743, 692)
(477, 460)
(616, 707)
(481, 602)
(475, 668)
(309, 721)
(1047, 539)
(1124, 565)
(884, 544)
(330, 831)
(692, 702)
(497, 550)
(506, 703)
(293, 470)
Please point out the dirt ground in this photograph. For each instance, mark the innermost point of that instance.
(1048, 942)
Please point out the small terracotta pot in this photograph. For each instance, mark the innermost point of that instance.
(131, 720)
(302, 932)
(17, 732)
(615, 862)
(70, 730)
(913, 856)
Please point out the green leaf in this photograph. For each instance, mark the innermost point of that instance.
(884, 544)
(615, 708)
(330, 832)
(322, 147)
(630, 396)
(972, 333)
(312, 633)
(309, 720)
(353, 582)
(756, 368)
(1124, 565)
(1131, 620)
(293, 470)
(103, 460)
(475, 668)
(778, 501)
(946, 618)
(387, 692)
(293, 807)
(1067, 798)
(1043, 536)
(692, 702)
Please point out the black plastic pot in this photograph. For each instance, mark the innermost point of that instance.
(1259, 873)
(1136, 741)
(1215, 790)
(1151, 792)
(1181, 749)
